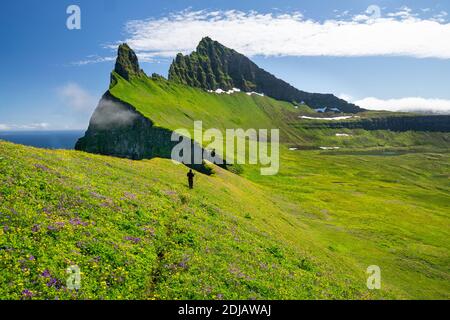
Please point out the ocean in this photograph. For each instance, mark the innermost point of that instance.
(44, 139)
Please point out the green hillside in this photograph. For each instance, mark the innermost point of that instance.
(172, 106)
(373, 197)
(137, 231)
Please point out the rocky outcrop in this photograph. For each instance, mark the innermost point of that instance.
(127, 64)
(433, 123)
(213, 66)
(117, 129)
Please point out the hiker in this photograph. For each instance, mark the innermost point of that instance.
(190, 176)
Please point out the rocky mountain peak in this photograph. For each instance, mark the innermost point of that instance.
(127, 63)
(207, 43)
(214, 66)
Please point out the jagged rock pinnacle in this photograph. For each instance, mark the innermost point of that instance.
(213, 66)
(127, 63)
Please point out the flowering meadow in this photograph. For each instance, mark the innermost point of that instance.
(136, 232)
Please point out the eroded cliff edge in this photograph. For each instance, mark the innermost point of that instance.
(117, 129)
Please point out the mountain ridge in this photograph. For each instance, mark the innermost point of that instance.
(137, 115)
(213, 66)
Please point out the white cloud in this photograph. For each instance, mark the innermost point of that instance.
(112, 115)
(411, 104)
(345, 97)
(77, 98)
(400, 33)
(34, 126)
(93, 59)
(441, 17)
(404, 13)
(31, 126)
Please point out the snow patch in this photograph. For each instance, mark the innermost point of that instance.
(329, 148)
(342, 135)
(253, 92)
(221, 91)
(234, 90)
(329, 119)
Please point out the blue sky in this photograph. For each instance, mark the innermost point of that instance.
(53, 77)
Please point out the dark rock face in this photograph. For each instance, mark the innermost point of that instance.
(213, 66)
(398, 123)
(127, 64)
(117, 129)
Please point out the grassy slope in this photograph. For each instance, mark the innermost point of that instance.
(377, 139)
(309, 232)
(391, 210)
(368, 208)
(174, 106)
(136, 231)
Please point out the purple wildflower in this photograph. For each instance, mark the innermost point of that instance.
(74, 221)
(31, 258)
(52, 282)
(77, 222)
(184, 263)
(27, 293)
(46, 273)
(60, 224)
(35, 228)
(133, 239)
